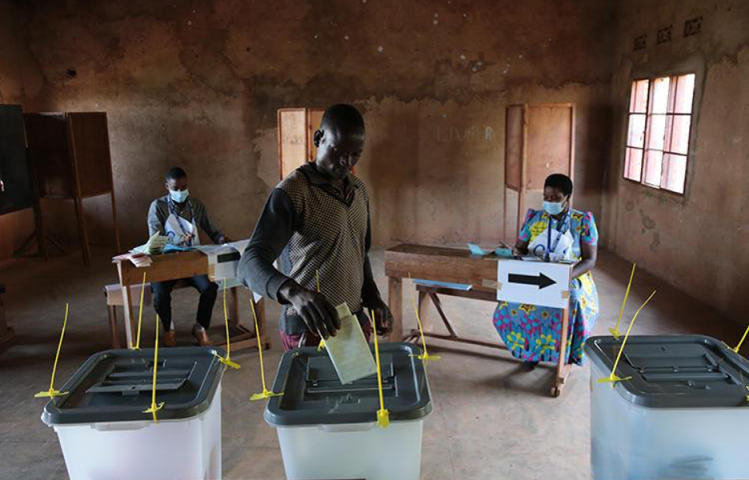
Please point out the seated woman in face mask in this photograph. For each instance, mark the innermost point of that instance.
(533, 333)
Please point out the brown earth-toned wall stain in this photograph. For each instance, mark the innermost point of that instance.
(198, 83)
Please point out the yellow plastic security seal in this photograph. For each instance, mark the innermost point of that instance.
(738, 347)
(140, 314)
(51, 393)
(227, 359)
(154, 406)
(265, 393)
(321, 345)
(615, 331)
(613, 378)
(383, 415)
(425, 357)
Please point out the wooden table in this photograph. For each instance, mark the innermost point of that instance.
(178, 265)
(452, 265)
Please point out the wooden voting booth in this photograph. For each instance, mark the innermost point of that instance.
(296, 128)
(539, 141)
(15, 172)
(17, 192)
(71, 161)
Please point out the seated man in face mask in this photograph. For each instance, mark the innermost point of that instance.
(178, 216)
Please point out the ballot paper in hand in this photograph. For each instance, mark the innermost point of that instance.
(349, 350)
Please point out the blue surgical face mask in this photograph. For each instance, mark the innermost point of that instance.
(179, 196)
(553, 208)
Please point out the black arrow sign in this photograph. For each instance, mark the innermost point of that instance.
(541, 281)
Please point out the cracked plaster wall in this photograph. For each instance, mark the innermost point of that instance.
(198, 83)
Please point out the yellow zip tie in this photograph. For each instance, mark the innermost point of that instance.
(321, 345)
(227, 360)
(615, 331)
(51, 393)
(265, 393)
(736, 349)
(425, 357)
(383, 415)
(613, 378)
(140, 314)
(154, 407)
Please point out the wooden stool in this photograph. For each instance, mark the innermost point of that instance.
(6, 333)
(113, 294)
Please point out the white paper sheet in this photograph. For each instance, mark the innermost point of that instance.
(239, 245)
(154, 246)
(226, 270)
(349, 349)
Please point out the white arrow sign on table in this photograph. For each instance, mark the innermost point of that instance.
(534, 282)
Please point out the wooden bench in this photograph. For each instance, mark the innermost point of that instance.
(429, 294)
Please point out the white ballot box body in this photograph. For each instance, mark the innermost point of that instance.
(359, 450)
(681, 414)
(329, 430)
(168, 450)
(172, 449)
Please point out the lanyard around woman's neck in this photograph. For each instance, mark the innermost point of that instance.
(561, 228)
(173, 211)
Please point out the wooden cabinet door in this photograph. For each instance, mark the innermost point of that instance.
(89, 138)
(296, 131)
(293, 142)
(314, 117)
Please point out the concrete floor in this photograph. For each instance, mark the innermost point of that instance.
(492, 418)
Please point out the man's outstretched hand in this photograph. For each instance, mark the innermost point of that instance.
(317, 313)
(383, 316)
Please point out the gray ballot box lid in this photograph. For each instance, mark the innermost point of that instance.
(313, 394)
(674, 371)
(116, 386)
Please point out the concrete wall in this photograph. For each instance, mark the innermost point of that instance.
(697, 241)
(198, 83)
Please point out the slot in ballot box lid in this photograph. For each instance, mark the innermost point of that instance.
(674, 371)
(116, 386)
(314, 395)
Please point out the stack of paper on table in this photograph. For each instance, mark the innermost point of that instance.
(154, 246)
(141, 256)
(349, 350)
(140, 260)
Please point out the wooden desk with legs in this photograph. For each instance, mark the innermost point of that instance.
(455, 266)
(174, 266)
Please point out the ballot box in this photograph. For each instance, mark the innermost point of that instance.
(329, 430)
(105, 434)
(681, 411)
